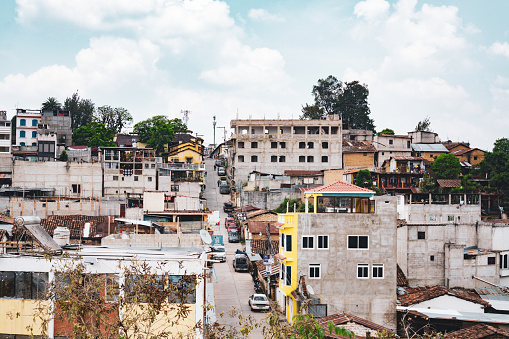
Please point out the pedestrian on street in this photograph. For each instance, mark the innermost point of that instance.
(214, 167)
(218, 181)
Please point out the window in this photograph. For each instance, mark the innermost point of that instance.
(76, 188)
(362, 271)
(325, 158)
(115, 178)
(273, 144)
(432, 218)
(22, 134)
(431, 155)
(491, 260)
(365, 154)
(282, 158)
(282, 241)
(254, 158)
(307, 241)
(431, 258)
(288, 278)
(302, 144)
(34, 122)
(241, 158)
(288, 242)
(421, 235)
(475, 158)
(22, 144)
(146, 165)
(358, 242)
(282, 144)
(152, 165)
(417, 154)
(314, 271)
(241, 144)
(149, 178)
(504, 264)
(273, 158)
(23, 285)
(325, 145)
(135, 178)
(323, 241)
(254, 144)
(22, 122)
(378, 271)
(311, 144)
(391, 142)
(310, 158)
(302, 158)
(34, 134)
(450, 218)
(408, 144)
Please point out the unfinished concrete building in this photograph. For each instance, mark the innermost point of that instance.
(273, 146)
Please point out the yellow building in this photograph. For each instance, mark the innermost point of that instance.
(358, 154)
(472, 155)
(428, 151)
(186, 148)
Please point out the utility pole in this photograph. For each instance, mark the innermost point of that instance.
(214, 124)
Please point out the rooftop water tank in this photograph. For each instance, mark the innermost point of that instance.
(62, 235)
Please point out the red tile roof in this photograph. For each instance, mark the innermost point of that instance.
(353, 146)
(449, 183)
(463, 151)
(450, 145)
(345, 318)
(297, 172)
(478, 331)
(261, 226)
(401, 277)
(408, 158)
(255, 213)
(340, 187)
(421, 294)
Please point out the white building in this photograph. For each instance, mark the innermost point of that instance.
(27, 122)
(5, 133)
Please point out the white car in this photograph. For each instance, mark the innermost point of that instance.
(218, 253)
(259, 302)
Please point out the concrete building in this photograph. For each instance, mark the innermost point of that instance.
(428, 151)
(388, 146)
(59, 123)
(46, 146)
(358, 154)
(5, 134)
(273, 146)
(27, 122)
(128, 170)
(343, 248)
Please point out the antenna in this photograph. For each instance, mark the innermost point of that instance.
(205, 237)
(214, 124)
(186, 115)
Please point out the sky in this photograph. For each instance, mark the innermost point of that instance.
(446, 60)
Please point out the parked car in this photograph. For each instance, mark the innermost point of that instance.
(259, 302)
(228, 207)
(218, 253)
(233, 236)
(225, 189)
(221, 171)
(219, 162)
(228, 220)
(240, 262)
(232, 226)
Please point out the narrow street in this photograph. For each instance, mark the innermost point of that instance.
(232, 289)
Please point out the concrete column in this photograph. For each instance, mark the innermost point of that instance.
(315, 207)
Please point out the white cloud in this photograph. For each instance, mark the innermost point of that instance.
(500, 48)
(371, 9)
(261, 14)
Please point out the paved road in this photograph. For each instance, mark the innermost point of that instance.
(232, 289)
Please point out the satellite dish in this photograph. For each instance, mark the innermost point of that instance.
(310, 289)
(205, 237)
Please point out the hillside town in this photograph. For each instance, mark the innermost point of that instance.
(308, 220)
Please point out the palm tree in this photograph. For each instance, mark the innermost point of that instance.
(51, 104)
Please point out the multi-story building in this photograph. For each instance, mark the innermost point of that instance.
(5, 134)
(46, 146)
(273, 146)
(128, 170)
(339, 250)
(358, 154)
(59, 123)
(186, 148)
(27, 122)
(388, 146)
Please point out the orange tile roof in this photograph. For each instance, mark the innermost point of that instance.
(340, 187)
(478, 331)
(418, 295)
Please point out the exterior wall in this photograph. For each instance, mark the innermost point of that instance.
(423, 137)
(59, 124)
(16, 315)
(46, 147)
(291, 132)
(358, 160)
(187, 204)
(330, 176)
(267, 200)
(29, 117)
(153, 201)
(187, 188)
(424, 213)
(152, 240)
(290, 221)
(60, 176)
(400, 146)
(430, 156)
(5, 134)
(186, 151)
(45, 207)
(6, 163)
(473, 158)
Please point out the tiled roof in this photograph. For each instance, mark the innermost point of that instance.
(6, 219)
(400, 222)
(352, 146)
(247, 208)
(340, 187)
(260, 247)
(252, 214)
(297, 172)
(408, 158)
(449, 183)
(345, 318)
(261, 226)
(183, 138)
(76, 224)
(450, 145)
(420, 294)
(463, 151)
(274, 268)
(478, 331)
(401, 277)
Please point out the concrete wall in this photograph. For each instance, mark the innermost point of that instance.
(60, 176)
(6, 162)
(358, 160)
(330, 176)
(187, 188)
(153, 201)
(46, 207)
(339, 286)
(267, 200)
(152, 240)
(438, 213)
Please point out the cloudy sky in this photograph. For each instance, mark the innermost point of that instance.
(444, 59)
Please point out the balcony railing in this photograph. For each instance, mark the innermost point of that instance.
(182, 166)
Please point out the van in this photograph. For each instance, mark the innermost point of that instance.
(233, 236)
(240, 262)
(221, 171)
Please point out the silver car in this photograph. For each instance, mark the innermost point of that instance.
(218, 253)
(259, 302)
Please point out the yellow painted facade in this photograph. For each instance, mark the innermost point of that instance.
(330, 176)
(473, 157)
(183, 326)
(358, 160)
(16, 315)
(430, 156)
(186, 151)
(289, 227)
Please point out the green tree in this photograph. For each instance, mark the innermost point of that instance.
(363, 179)
(423, 126)
(81, 110)
(428, 185)
(496, 166)
(348, 99)
(446, 166)
(64, 156)
(51, 104)
(306, 327)
(158, 131)
(387, 131)
(114, 118)
(94, 134)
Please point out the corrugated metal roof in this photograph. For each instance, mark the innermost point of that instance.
(429, 148)
(493, 318)
(496, 296)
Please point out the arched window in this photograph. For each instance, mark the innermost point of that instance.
(34, 122)
(22, 144)
(34, 134)
(22, 122)
(22, 134)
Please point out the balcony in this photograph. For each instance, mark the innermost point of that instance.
(182, 166)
